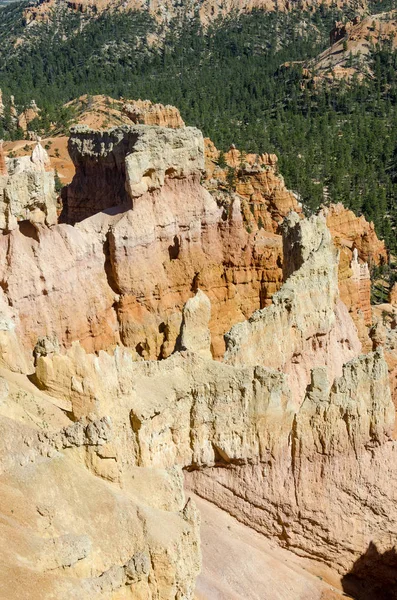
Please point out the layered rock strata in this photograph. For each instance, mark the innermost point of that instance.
(138, 207)
(156, 218)
(303, 464)
(147, 113)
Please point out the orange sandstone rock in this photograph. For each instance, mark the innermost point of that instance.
(147, 113)
(359, 248)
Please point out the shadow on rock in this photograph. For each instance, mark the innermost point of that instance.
(373, 576)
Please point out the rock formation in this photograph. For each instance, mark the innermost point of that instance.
(349, 40)
(141, 209)
(28, 115)
(147, 113)
(124, 163)
(195, 333)
(359, 247)
(165, 12)
(27, 191)
(101, 529)
(249, 443)
(305, 323)
(291, 433)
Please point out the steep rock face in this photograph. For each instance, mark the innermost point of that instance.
(115, 166)
(358, 247)
(181, 243)
(255, 178)
(27, 191)
(102, 529)
(340, 445)
(300, 450)
(306, 325)
(313, 477)
(56, 282)
(153, 217)
(350, 231)
(384, 334)
(164, 12)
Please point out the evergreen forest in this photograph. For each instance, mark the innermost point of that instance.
(335, 142)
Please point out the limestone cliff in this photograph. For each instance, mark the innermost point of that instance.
(292, 433)
(306, 465)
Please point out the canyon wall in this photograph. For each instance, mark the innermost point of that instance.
(154, 200)
(292, 432)
(311, 466)
(148, 214)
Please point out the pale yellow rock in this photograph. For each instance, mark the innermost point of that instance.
(27, 192)
(306, 325)
(195, 333)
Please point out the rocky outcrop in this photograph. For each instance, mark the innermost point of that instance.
(28, 115)
(147, 113)
(383, 334)
(195, 333)
(350, 232)
(248, 447)
(27, 190)
(140, 208)
(178, 245)
(265, 200)
(353, 40)
(339, 444)
(167, 11)
(103, 528)
(46, 273)
(306, 325)
(287, 470)
(359, 247)
(292, 433)
(116, 166)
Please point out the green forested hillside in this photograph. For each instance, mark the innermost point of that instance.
(335, 143)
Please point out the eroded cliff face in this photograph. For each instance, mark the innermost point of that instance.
(138, 207)
(291, 433)
(77, 520)
(164, 12)
(305, 322)
(311, 466)
(154, 200)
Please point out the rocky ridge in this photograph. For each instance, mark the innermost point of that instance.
(208, 11)
(350, 47)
